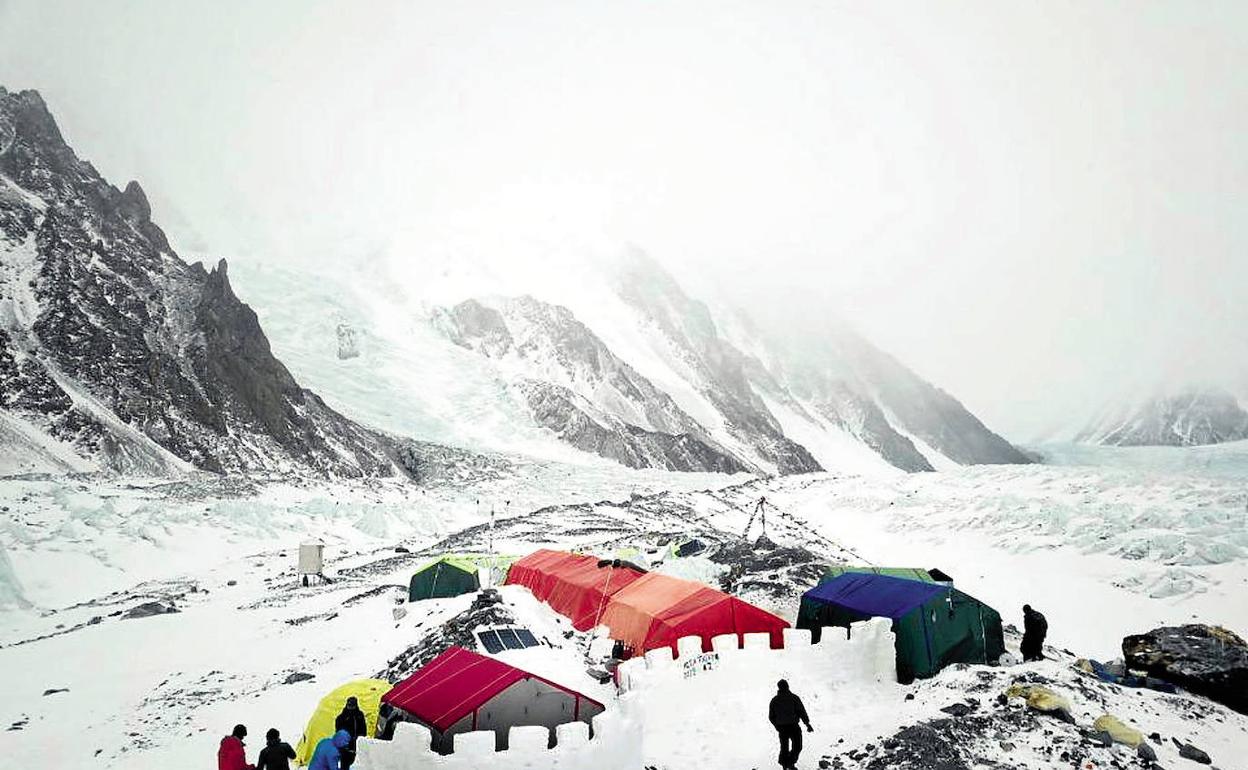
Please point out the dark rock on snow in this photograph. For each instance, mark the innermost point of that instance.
(148, 609)
(1208, 660)
(298, 676)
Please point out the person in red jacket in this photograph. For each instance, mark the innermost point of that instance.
(233, 754)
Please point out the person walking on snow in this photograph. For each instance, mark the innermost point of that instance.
(276, 754)
(232, 754)
(785, 714)
(352, 720)
(1035, 627)
(328, 751)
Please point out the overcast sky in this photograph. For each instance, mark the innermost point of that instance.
(1033, 204)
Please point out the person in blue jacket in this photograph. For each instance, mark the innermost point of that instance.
(329, 750)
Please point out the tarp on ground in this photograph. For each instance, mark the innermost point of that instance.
(574, 585)
(320, 725)
(655, 610)
(934, 624)
(444, 577)
(461, 690)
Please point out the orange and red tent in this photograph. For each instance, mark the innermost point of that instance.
(655, 610)
(573, 585)
(643, 610)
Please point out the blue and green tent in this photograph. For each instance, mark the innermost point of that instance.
(935, 624)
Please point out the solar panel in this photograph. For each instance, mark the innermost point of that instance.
(526, 637)
(509, 639)
(493, 645)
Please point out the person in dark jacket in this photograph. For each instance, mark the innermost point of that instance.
(276, 754)
(232, 754)
(352, 720)
(785, 714)
(1035, 627)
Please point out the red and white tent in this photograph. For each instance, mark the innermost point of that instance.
(460, 690)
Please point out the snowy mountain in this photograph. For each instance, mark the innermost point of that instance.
(609, 359)
(1189, 417)
(577, 388)
(116, 353)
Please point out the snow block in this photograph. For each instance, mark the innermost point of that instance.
(759, 640)
(412, 737)
(572, 735)
(725, 642)
(797, 637)
(630, 672)
(660, 657)
(474, 744)
(829, 634)
(689, 646)
(528, 739)
(372, 753)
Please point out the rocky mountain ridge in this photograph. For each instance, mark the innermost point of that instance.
(115, 351)
(1187, 417)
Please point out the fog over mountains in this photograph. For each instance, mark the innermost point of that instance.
(119, 354)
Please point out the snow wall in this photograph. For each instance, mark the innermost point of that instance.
(662, 696)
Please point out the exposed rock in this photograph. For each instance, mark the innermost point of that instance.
(1204, 659)
(54, 691)
(298, 676)
(957, 709)
(148, 609)
(1146, 752)
(348, 342)
(1188, 751)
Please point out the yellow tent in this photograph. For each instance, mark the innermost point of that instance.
(367, 691)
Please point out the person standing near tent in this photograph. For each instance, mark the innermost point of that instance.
(352, 721)
(1035, 627)
(232, 754)
(785, 713)
(328, 752)
(276, 754)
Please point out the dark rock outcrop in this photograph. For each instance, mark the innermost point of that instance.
(1208, 660)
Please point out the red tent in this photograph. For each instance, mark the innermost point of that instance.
(655, 610)
(460, 691)
(572, 584)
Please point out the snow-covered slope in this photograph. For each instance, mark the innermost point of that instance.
(1189, 417)
(115, 349)
(612, 357)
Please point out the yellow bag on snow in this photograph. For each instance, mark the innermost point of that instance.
(1118, 731)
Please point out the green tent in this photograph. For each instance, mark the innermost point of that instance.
(909, 573)
(935, 624)
(443, 577)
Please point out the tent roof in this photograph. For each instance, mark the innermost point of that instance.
(320, 725)
(656, 609)
(465, 563)
(909, 573)
(574, 585)
(455, 684)
(877, 595)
